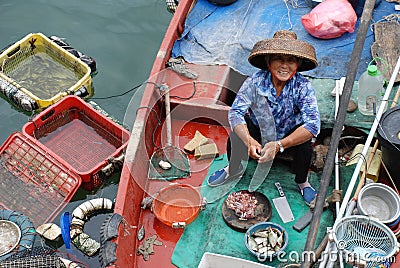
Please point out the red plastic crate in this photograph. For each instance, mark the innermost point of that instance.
(80, 135)
(32, 181)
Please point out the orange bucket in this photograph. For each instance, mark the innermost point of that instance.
(177, 205)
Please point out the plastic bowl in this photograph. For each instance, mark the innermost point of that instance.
(177, 205)
(263, 226)
(380, 201)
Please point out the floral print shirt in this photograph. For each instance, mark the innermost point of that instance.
(295, 106)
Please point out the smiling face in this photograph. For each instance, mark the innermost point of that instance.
(283, 67)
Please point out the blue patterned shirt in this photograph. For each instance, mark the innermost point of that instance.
(296, 105)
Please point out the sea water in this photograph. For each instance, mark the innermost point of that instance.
(122, 36)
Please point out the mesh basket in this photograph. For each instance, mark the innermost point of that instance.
(41, 185)
(24, 64)
(82, 137)
(365, 239)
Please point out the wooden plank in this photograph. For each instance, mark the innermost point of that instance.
(386, 46)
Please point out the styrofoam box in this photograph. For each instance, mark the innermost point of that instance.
(212, 260)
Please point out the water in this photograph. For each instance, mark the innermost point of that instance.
(44, 75)
(122, 35)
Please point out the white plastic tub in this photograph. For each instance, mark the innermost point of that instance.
(211, 260)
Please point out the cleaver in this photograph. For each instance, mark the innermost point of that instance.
(282, 205)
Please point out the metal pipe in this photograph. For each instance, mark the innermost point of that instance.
(337, 183)
(327, 262)
(337, 128)
(368, 141)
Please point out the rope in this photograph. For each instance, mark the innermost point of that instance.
(336, 196)
(119, 95)
(288, 14)
(388, 18)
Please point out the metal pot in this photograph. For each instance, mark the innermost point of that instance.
(380, 201)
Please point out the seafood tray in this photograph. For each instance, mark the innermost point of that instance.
(42, 71)
(32, 181)
(86, 140)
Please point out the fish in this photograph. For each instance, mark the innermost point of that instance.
(252, 243)
(261, 233)
(272, 238)
(266, 241)
(140, 234)
(280, 241)
(260, 240)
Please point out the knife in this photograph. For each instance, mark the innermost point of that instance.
(282, 205)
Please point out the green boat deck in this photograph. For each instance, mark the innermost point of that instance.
(210, 233)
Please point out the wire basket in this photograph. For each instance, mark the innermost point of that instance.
(23, 67)
(85, 140)
(34, 182)
(364, 239)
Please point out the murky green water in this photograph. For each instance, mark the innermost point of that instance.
(122, 35)
(44, 75)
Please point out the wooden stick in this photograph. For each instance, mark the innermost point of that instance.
(371, 155)
(338, 126)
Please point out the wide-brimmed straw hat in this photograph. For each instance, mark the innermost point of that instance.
(284, 42)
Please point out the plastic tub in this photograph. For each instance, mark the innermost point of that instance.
(177, 205)
(263, 226)
(380, 201)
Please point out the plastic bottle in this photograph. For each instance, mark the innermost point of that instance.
(370, 89)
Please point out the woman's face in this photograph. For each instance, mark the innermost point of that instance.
(283, 67)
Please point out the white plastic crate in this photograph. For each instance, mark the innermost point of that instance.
(212, 260)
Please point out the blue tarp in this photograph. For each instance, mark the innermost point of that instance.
(226, 35)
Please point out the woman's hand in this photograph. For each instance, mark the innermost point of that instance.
(268, 152)
(254, 149)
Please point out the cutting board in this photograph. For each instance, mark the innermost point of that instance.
(233, 221)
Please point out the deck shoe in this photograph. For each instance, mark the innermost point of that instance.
(309, 194)
(220, 176)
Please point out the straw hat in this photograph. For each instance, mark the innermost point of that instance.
(284, 42)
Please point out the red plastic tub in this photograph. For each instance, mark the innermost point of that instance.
(81, 136)
(177, 205)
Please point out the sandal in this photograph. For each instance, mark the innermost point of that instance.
(220, 176)
(309, 194)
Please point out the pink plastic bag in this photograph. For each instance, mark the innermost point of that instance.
(330, 19)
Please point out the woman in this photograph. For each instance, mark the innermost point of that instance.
(274, 110)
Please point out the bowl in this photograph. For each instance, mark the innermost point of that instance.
(251, 237)
(177, 205)
(380, 201)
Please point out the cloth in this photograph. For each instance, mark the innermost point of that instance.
(296, 105)
(243, 23)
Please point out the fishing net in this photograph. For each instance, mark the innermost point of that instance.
(180, 166)
(37, 257)
(169, 162)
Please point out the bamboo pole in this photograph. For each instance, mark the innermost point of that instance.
(369, 161)
(337, 128)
